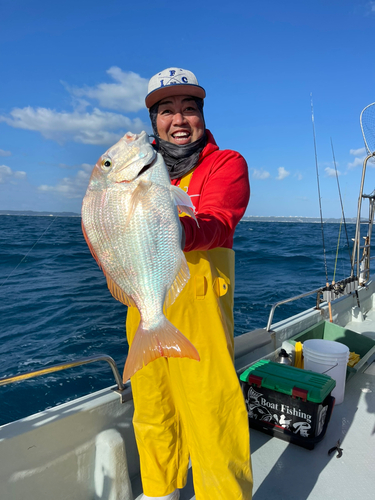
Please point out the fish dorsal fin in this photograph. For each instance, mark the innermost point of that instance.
(115, 290)
(180, 281)
(137, 195)
(183, 201)
(118, 293)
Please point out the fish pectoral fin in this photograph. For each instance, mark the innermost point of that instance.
(165, 341)
(118, 293)
(183, 202)
(136, 197)
(179, 282)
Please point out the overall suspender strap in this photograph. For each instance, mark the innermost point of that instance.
(185, 181)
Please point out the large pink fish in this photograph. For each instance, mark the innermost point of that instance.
(131, 224)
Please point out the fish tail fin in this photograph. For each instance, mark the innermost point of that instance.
(163, 341)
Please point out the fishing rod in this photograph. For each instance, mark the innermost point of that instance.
(320, 207)
(341, 202)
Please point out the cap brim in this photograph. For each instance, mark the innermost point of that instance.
(172, 90)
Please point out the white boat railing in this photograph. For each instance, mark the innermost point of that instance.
(272, 312)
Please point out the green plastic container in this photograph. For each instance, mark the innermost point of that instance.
(287, 402)
(285, 379)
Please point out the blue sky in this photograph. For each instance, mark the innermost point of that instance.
(74, 76)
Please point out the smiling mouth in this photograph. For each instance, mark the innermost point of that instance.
(181, 136)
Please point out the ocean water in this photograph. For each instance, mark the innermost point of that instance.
(55, 306)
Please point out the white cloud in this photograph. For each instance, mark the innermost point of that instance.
(282, 173)
(127, 94)
(8, 175)
(86, 123)
(360, 155)
(260, 174)
(356, 162)
(19, 174)
(5, 172)
(358, 152)
(331, 172)
(299, 176)
(4, 153)
(371, 6)
(97, 127)
(71, 187)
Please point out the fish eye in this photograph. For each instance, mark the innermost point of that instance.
(106, 163)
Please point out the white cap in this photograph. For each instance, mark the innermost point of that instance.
(170, 82)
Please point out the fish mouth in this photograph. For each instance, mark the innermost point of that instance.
(146, 167)
(142, 171)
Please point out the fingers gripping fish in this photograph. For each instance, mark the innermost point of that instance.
(131, 225)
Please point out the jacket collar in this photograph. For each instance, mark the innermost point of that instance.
(210, 147)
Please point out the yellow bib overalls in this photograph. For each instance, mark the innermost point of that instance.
(186, 408)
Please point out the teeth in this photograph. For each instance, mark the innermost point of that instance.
(181, 134)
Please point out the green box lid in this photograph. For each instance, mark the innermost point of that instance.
(288, 379)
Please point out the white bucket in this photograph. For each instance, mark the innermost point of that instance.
(329, 357)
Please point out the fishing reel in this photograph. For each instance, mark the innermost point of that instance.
(340, 288)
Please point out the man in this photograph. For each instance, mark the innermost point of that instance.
(186, 409)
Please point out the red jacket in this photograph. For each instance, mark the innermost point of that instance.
(220, 192)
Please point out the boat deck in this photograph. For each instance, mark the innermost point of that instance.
(365, 326)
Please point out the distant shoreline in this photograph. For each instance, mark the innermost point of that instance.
(31, 213)
(247, 218)
(295, 219)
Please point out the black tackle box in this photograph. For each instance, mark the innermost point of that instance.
(287, 402)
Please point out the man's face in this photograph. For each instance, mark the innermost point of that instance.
(179, 120)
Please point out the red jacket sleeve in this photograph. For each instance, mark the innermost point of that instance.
(223, 200)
